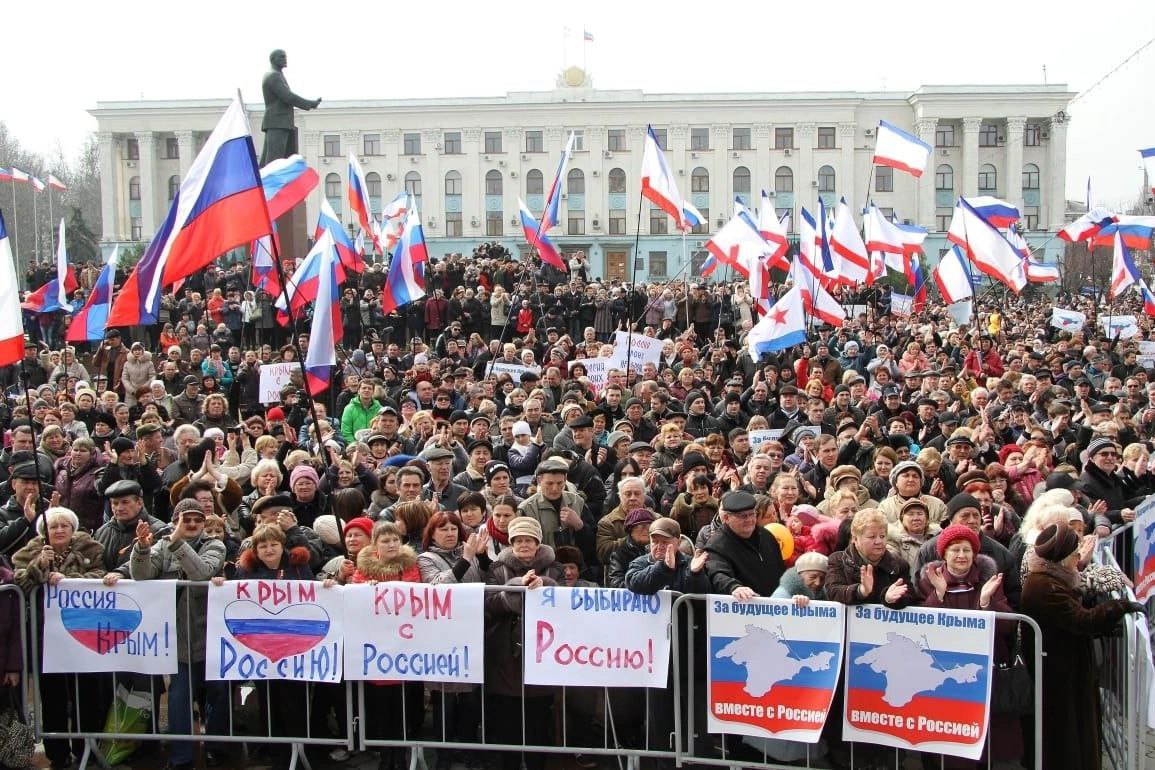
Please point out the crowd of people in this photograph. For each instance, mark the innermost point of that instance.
(902, 461)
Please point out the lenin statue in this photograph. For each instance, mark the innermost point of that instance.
(280, 131)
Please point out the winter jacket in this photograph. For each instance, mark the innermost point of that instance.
(503, 621)
(438, 566)
(554, 533)
(791, 585)
(118, 537)
(79, 493)
(83, 560)
(357, 417)
(371, 568)
(294, 566)
(755, 562)
(645, 575)
(620, 560)
(988, 546)
(905, 545)
(844, 571)
(690, 517)
(11, 646)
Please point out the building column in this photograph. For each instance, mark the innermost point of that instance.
(432, 185)
(146, 141)
(847, 182)
(186, 148)
(473, 184)
(309, 141)
(805, 189)
(110, 191)
(924, 213)
(971, 128)
(761, 176)
(1055, 203)
(1014, 167)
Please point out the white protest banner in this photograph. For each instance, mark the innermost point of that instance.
(762, 435)
(901, 304)
(1068, 320)
(597, 370)
(90, 627)
(1144, 549)
(513, 370)
(415, 632)
(1122, 327)
(596, 637)
(641, 350)
(1146, 357)
(919, 679)
(273, 378)
(773, 667)
(961, 312)
(274, 629)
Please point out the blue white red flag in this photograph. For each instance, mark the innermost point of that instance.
(359, 204)
(919, 276)
(405, 281)
(658, 184)
(1135, 231)
(287, 182)
(91, 321)
(994, 210)
(709, 266)
(304, 284)
(219, 206)
(1037, 272)
(1088, 225)
(1123, 269)
(20, 176)
(952, 276)
(549, 217)
(897, 149)
(781, 328)
(347, 252)
(55, 294)
(537, 238)
(264, 274)
(1148, 298)
(326, 331)
(5, 175)
(986, 247)
(692, 217)
(11, 320)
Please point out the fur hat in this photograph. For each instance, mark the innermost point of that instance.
(1056, 542)
(524, 526)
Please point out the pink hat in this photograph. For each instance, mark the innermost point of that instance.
(303, 471)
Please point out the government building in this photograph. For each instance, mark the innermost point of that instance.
(467, 161)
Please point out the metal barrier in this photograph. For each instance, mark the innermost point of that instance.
(80, 715)
(22, 631)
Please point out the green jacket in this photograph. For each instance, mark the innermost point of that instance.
(357, 417)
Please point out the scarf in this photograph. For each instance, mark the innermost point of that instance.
(495, 533)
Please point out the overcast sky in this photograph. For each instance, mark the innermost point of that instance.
(60, 58)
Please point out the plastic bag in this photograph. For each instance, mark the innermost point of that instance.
(131, 712)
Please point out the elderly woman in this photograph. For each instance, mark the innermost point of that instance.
(866, 572)
(61, 551)
(76, 477)
(530, 564)
(906, 536)
(1072, 725)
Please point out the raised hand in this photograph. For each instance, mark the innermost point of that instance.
(896, 591)
(989, 588)
(699, 560)
(143, 534)
(866, 580)
(936, 574)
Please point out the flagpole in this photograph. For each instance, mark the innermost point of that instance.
(35, 226)
(50, 220)
(686, 279)
(16, 233)
(970, 276)
(633, 276)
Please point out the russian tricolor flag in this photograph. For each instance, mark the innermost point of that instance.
(11, 320)
(359, 201)
(898, 149)
(549, 217)
(986, 247)
(691, 216)
(1148, 298)
(326, 330)
(709, 266)
(219, 206)
(1135, 231)
(264, 273)
(347, 252)
(91, 321)
(54, 295)
(658, 181)
(537, 239)
(287, 182)
(994, 210)
(5, 175)
(20, 176)
(305, 283)
(405, 280)
(1088, 225)
(1037, 272)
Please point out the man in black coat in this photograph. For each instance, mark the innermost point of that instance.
(744, 559)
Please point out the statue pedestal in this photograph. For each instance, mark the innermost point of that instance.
(293, 236)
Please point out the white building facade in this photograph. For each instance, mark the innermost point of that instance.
(467, 161)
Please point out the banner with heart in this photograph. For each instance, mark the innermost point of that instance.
(91, 627)
(277, 634)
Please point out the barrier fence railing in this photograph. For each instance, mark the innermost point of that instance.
(629, 724)
(13, 593)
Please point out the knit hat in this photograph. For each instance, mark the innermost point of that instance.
(188, 505)
(1007, 450)
(122, 444)
(1097, 445)
(616, 436)
(524, 526)
(811, 561)
(494, 467)
(362, 523)
(693, 460)
(275, 413)
(954, 533)
(693, 396)
(328, 529)
(1056, 542)
(638, 516)
(807, 514)
(666, 527)
(905, 465)
(303, 471)
(521, 428)
(960, 501)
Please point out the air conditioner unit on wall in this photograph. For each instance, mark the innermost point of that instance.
(944, 152)
(389, 177)
(607, 154)
(131, 164)
(786, 152)
(869, 132)
(437, 146)
(513, 175)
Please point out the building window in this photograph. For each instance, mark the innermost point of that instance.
(333, 191)
(699, 180)
(371, 144)
(1030, 177)
(411, 144)
(1031, 214)
(576, 224)
(137, 229)
(453, 183)
(173, 187)
(575, 182)
(534, 141)
(944, 179)
(741, 181)
(658, 264)
(883, 179)
(660, 135)
(493, 141)
(742, 139)
(783, 138)
(579, 140)
(659, 224)
(617, 221)
(786, 217)
(826, 179)
(413, 187)
(783, 180)
(332, 145)
(534, 183)
(616, 140)
(493, 182)
(887, 213)
(171, 148)
(131, 149)
(453, 226)
(1032, 135)
(944, 136)
(826, 138)
(988, 179)
(699, 138)
(988, 135)
(134, 189)
(704, 227)
(451, 142)
(617, 180)
(494, 220)
(942, 219)
(373, 185)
